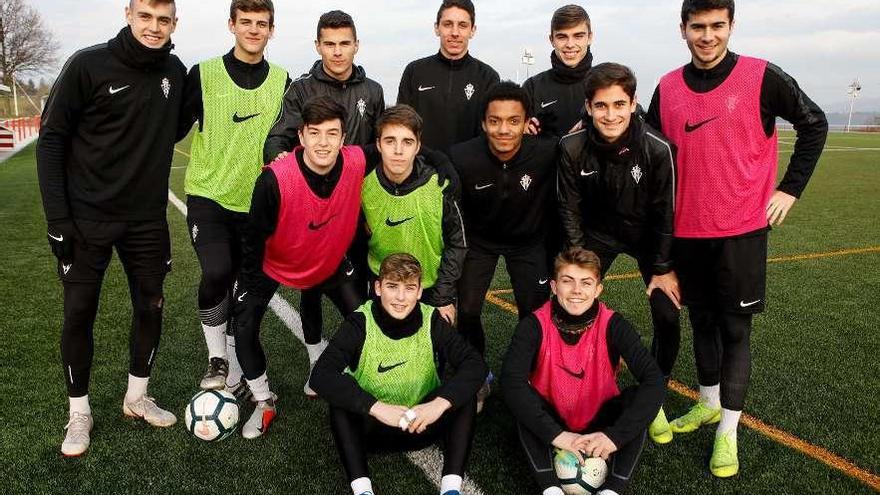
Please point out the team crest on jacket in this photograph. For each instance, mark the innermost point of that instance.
(361, 106)
(525, 182)
(636, 173)
(195, 232)
(166, 86)
(469, 91)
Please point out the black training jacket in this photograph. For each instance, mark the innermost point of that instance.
(444, 290)
(448, 94)
(780, 97)
(507, 203)
(362, 98)
(557, 95)
(333, 384)
(622, 194)
(108, 132)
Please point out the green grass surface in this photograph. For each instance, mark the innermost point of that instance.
(815, 368)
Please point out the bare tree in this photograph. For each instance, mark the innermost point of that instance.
(26, 45)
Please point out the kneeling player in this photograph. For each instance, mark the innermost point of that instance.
(392, 392)
(559, 378)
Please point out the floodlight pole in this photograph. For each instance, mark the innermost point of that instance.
(853, 91)
(528, 59)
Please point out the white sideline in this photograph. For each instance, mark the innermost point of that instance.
(429, 460)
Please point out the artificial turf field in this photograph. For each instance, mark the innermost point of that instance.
(816, 372)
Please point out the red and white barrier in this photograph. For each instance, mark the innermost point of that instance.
(16, 130)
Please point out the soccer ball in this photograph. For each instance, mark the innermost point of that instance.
(576, 479)
(212, 415)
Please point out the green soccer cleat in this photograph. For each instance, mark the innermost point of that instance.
(724, 462)
(659, 429)
(699, 415)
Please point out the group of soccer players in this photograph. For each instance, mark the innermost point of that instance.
(399, 215)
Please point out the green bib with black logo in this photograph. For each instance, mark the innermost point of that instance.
(227, 153)
(412, 224)
(400, 372)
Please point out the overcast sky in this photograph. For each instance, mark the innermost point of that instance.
(824, 44)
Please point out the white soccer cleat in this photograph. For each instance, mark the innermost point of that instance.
(145, 408)
(307, 388)
(76, 441)
(215, 375)
(260, 419)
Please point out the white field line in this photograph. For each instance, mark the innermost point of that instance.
(429, 460)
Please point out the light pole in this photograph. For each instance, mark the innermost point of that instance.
(853, 91)
(528, 59)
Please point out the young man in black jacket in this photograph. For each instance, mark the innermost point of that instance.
(507, 189)
(616, 193)
(335, 75)
(557, 94)
(560, 379)
(384, 378)
(103, 160)
(235, 98)
(447, 89)
(720, 111)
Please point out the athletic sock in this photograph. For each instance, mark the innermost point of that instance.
(729, 422)
(215, 338)
(606, 492)
(260, 388)
(233, 376)
(553, 490)
(450, 482)
(79, 405)
(361, 485)
(315, 350)
(137, 388)
(711, 395)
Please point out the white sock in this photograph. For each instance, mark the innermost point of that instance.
(234, 375)
(711, 395)
(260, 388)
(361, 485)
(553, 490)
(215, 337)
(450, 482)
(729, 422)
(315, 350)
(79, 405)
(137, 388)
(606, 492)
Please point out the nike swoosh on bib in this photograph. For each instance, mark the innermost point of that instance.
(392, 223)
(239, 120)
(317, 226)
(385, 369)
(691, 128)
(579, 375)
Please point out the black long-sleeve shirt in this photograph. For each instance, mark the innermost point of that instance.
(105, 145)
(341, 389)
(623, 342)
(780, 97)
(243, 74)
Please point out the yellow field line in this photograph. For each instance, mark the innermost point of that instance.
(820, 454)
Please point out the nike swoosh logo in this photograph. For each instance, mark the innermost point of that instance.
(349, 272)
(744, 304)
(484, 186)
(579, 375)
(241, 297)
(385, 369)
(391, 223)
(113, 90)
(317, 226)
(60, 237)
(426, 88)
(239, 120)
(542, 281)
(545, 105)
(691, 128)
(587, 174)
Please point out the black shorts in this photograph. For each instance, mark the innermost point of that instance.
(210, 223)
(144, 248)
(728, 274)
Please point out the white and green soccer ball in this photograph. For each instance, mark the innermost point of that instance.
(212, 415)
(577, 479)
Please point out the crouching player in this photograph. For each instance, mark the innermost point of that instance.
(381, 376)
(559, 378)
